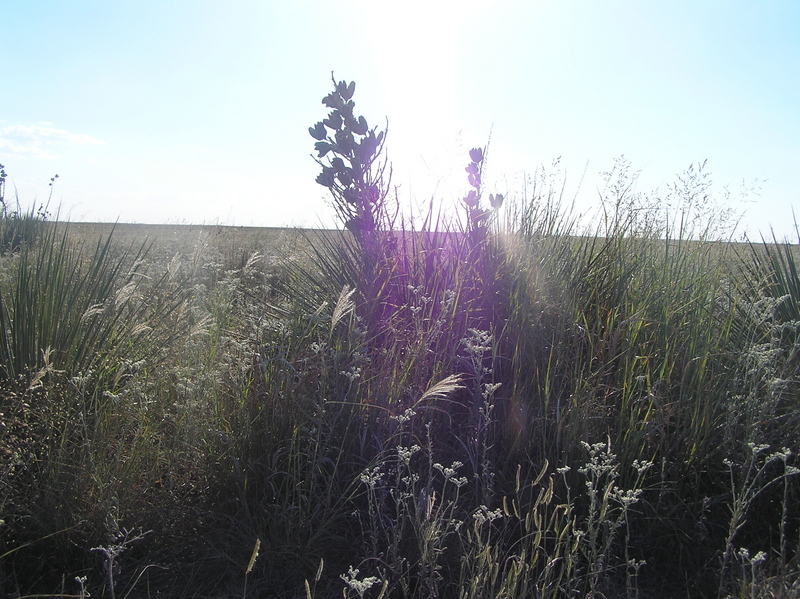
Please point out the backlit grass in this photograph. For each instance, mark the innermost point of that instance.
(502, 403)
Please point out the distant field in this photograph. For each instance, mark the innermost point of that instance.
(230, 244)
(176, 237)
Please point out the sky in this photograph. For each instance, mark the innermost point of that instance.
(197, 111)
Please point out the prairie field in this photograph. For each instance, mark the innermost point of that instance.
(503, 403)
(555, 416)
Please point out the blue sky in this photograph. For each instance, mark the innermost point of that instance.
(197, 111)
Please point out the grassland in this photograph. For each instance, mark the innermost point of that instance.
(508, 403)
(598, 425)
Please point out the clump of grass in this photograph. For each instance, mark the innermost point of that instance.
(623, 332)
(76, 329)
(18, 227)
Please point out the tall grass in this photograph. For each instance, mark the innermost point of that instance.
(632, 332)
(77, 326)
(503, 403)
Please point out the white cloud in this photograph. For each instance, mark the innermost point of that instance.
(39, 140)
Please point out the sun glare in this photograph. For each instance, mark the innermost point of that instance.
(423, 46)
